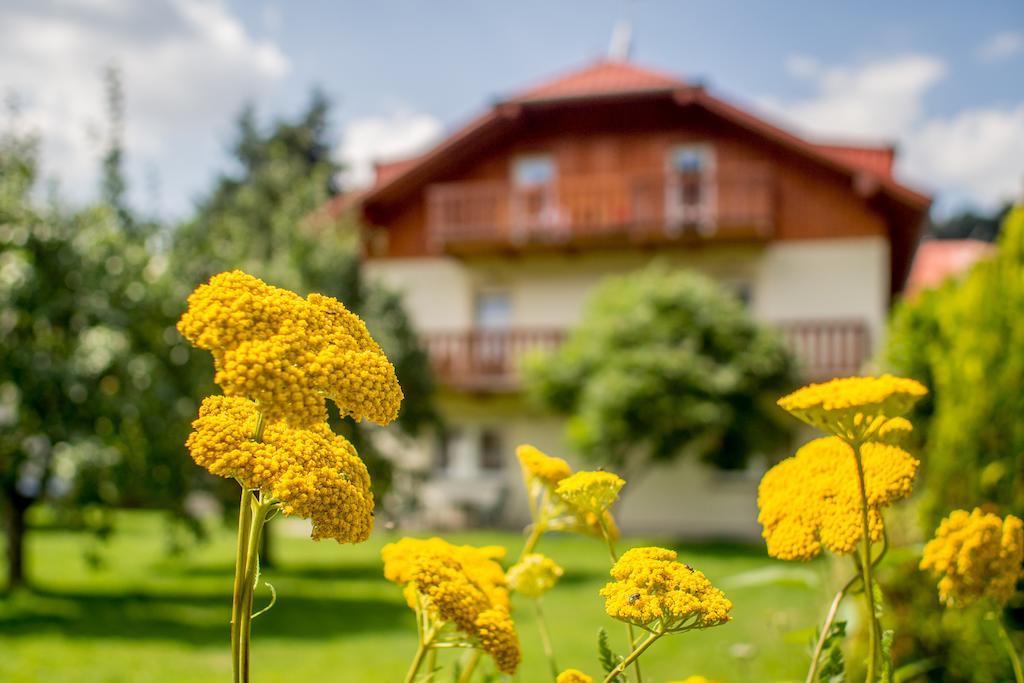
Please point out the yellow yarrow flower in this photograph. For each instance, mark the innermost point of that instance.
(976, 555)
(312, 472)
(573, 676)
(463, 585)
(812, 500)
(538, 465)
(592, 492)
(696, 679)
(290, 354)
(534, 575)
(652, 590)
(852, 407)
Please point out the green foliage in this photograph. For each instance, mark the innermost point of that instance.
(833, 666)
(606, 658)
(267, 217)
(666, 362)
(965, 340)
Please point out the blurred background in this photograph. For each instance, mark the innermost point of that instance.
(615, 230)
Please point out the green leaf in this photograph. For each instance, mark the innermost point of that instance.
(885, 675)
(833, 666)
(608, 659)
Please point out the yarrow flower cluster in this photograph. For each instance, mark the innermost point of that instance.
(851, 406)
(312, 473)
(573, 676)
(534, 575)
(585, 511)
(653, 590)
(460, 585)
(592, 492)
(290, 354)
(812, 499)
(976, 555)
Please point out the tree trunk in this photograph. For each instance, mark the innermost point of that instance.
(15, 507)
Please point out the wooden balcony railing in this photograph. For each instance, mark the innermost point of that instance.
(489, 360)
(617, 208)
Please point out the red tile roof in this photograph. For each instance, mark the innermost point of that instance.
(605, 77)
(937, 260)
(874, 159)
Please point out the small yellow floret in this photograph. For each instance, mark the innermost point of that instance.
(651, 589)
(312, 472)
(573, 676)
(290, 354)
(813, 499)
(539, 465)
(976, 555)
(534, 575)
(849, 407)
(592, 492)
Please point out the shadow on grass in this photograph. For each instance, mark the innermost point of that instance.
(198, 620)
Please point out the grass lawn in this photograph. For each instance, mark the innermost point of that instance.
(146, 617)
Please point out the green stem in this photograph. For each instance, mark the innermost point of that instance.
(632, 658)
(244, 523)
(252, 572)
(421, 651)
(1011, 651)
(615, 558)
(467, 673)
(829, 618)
(866, 566)
(545, 638)
(531, 541)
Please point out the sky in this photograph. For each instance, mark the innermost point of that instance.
(944, 80)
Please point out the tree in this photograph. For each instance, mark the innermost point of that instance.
(665, 362)
(267, 217)
(965, 340)
(970, 224)
(72, 380)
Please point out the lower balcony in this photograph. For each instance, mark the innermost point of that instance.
(489, 361)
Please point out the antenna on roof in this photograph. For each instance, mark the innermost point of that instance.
(621, 46)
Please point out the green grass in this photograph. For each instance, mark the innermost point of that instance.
(146, 617)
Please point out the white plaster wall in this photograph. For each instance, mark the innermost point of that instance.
(822, 279)
(686, 498)
(437, 292)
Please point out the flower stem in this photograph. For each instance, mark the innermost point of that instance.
(531, 541)
(545, 638)
(252, 571)
(1004, 638)
(244, 523)
(826, 627)
(633, 657)
(421, 650)
(615, 558)
(467, 673)
(866, 566)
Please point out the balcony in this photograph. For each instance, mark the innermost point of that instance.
(612, 209)
(488, 361)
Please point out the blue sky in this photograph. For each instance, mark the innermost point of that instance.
(942, 79)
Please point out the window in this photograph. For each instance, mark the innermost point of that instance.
(490, 451)
(691, 189)
(533, 199)
(493, 310)
(445, 441)
(533, 170)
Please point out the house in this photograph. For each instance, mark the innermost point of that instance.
(497, 235)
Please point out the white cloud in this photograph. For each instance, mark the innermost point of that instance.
(1001, 46)
(878, 99)
(972, 156)
(389, 137)
(184, 64)
(978, 154)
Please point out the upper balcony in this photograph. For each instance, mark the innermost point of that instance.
(489, 361)
(612, 209)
